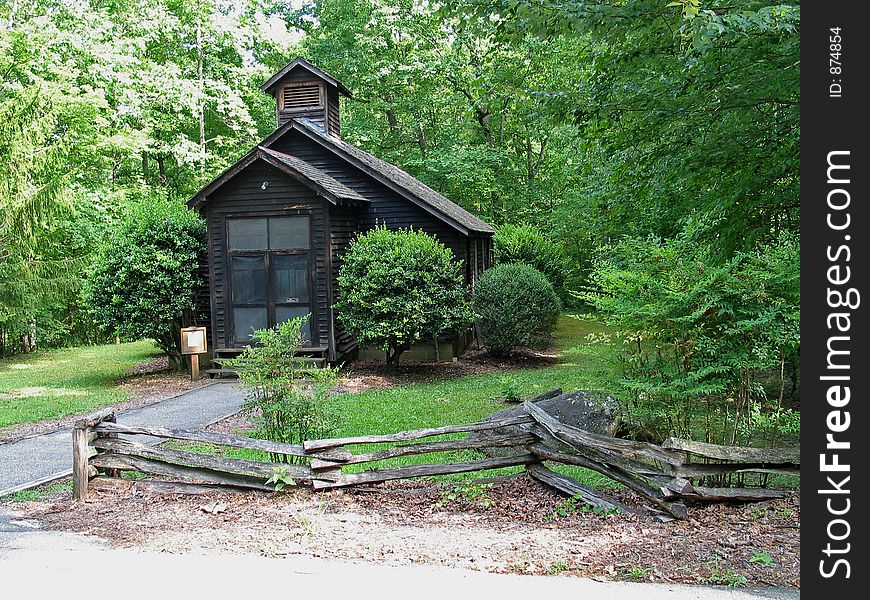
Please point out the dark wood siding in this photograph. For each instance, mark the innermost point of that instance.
(385, 206)
(344, 225)
(333, 114)
(244, 196)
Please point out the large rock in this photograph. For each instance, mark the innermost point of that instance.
(593, 411)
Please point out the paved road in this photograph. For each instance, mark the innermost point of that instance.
(63, 565)
(37, 460)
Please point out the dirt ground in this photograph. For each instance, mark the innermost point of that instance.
(521, 531)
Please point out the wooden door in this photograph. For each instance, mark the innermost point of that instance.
(270, 273)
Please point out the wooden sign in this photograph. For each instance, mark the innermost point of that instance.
(193, 340)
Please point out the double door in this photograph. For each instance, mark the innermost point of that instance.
(270, 273)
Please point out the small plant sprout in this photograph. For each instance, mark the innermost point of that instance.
(509, 389)
(761, 557)
(636, 572)
(574, 503)
(556, 567)
(280, 478)
(471, 493)
(720, 576)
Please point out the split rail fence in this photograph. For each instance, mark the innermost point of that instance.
(660, 474)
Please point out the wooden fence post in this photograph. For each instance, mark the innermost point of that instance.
(80, 460)
(83, 435)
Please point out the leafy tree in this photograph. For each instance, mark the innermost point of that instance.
(38, 253)
(699, 336)
(691, 110)
(398, 288)
(515, 305)
(525, 244)
(144, 280)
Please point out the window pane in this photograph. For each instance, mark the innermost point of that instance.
(291, 278)
(247, 234)
(249, 280)
(285, 313)
(288, 232)
(248, 320)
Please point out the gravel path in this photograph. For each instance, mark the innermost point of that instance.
(33, 461)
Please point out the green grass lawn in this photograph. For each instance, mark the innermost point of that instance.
(583, 365)
(55, 383)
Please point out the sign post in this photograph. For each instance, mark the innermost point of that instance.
(193, 342)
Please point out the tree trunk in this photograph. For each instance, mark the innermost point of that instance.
(201, 103)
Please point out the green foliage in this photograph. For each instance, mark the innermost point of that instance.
(510, 390)
(720, 576)
(398, 288)
(103, 104)
(574, 503)
(761, 557)
(287, 393)
(686, 110)
(698, 335)
(526, 245)
(41, 249)
(144, 281)
(556, 567)
(515, 305)
(280, 478)
(468, 493)
(637, 573)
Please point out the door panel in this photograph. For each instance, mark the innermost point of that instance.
(249, 280)
(247, 320)
(291, 278)
(290, 286)
(247, 234)
(287, 233)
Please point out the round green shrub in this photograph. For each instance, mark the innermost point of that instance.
(515, 305)
(143, 282)
(525, 244)
(397, 288)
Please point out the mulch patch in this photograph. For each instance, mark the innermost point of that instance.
(363, 375)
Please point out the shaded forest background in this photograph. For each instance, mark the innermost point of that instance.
(653, 127)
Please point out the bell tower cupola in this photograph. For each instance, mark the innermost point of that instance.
(303, 91)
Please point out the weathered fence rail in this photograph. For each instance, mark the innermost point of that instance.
(661, 475)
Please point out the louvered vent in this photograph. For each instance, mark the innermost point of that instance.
(301, 97)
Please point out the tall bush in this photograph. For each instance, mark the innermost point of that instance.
(699, 336)
(287, 393)
(143, 282)
(526, 245)
(515, 305)
(398, 288)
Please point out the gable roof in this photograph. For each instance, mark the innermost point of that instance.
(389, 175)
(392, 176)
(315, 179)
(301, 62)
